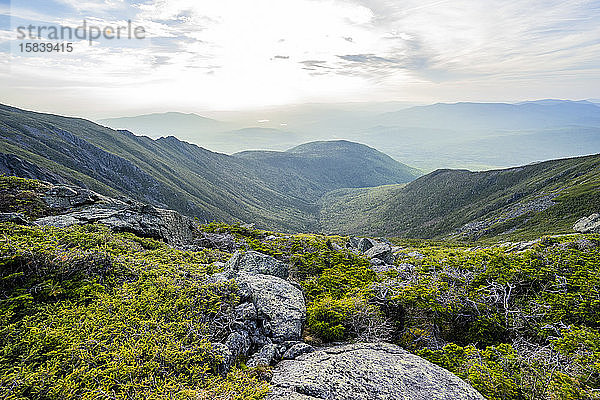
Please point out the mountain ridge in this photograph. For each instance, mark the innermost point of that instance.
(358, 165)
(525, 200)
(332, 186)
(161, 124)
(445, 135)
(166, 172)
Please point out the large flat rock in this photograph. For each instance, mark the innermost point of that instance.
(77, 206)
(366, 371)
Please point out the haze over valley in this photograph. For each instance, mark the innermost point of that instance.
(336, 186)
(460, 135)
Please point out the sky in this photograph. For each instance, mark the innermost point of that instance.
(241, 54)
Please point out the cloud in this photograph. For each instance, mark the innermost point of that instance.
(95, 5)
(368, 59)
(221, 53)
(313, 65)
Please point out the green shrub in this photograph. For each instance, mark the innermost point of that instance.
(23, 196)
(87, 313)
(494, 371)
(329, 317)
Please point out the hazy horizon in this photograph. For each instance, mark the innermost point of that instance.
(239, 56)
(225, 114)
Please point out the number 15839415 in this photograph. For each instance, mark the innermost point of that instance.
(45, 47)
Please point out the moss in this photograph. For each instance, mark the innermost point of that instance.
(85, 311)
(22, 195)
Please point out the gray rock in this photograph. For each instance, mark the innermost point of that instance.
(150, 221)
(256, 263)
(142, 220)
(289, 343)
(258, 336)
(219, 264)
(62, 197)
(352, 242)
(224, 354)
(16, 218)
(297, 350)
(522, 246)
(267, 354)
(279, 304)
(515, 246)
(416, 254)
(219, 277)
(59, 221)
(365, 244)
(220, 241)
(79, 206)
(381, 251)
(245, 311)
(238, 344)
(376, 261)
(589, 224)
(366, 371)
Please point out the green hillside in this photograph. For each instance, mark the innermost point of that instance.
(335, 187)
(170, 173)
(350, 165)
(536, 199)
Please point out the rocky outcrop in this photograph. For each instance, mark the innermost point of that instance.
(378, 252)
(589, 224)
(267, 354)
(78, 206)
(272, 312)
(519, 246)
(255, 263)
(381, 252)
(16, 218)
(365, 244)
(297, 350)
(274, 303)
(236, 345)
(374, 371)
(280, 305)
(510, 216)
(219, 241)
(64, 197)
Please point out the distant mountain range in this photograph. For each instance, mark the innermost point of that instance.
(489, 117)
(328, 186)
(174, 174)
(165, 124)
(461, 135)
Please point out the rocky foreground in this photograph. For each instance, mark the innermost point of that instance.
(268, 323)
(313, 316)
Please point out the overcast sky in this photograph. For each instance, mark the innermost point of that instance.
(239, 54)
